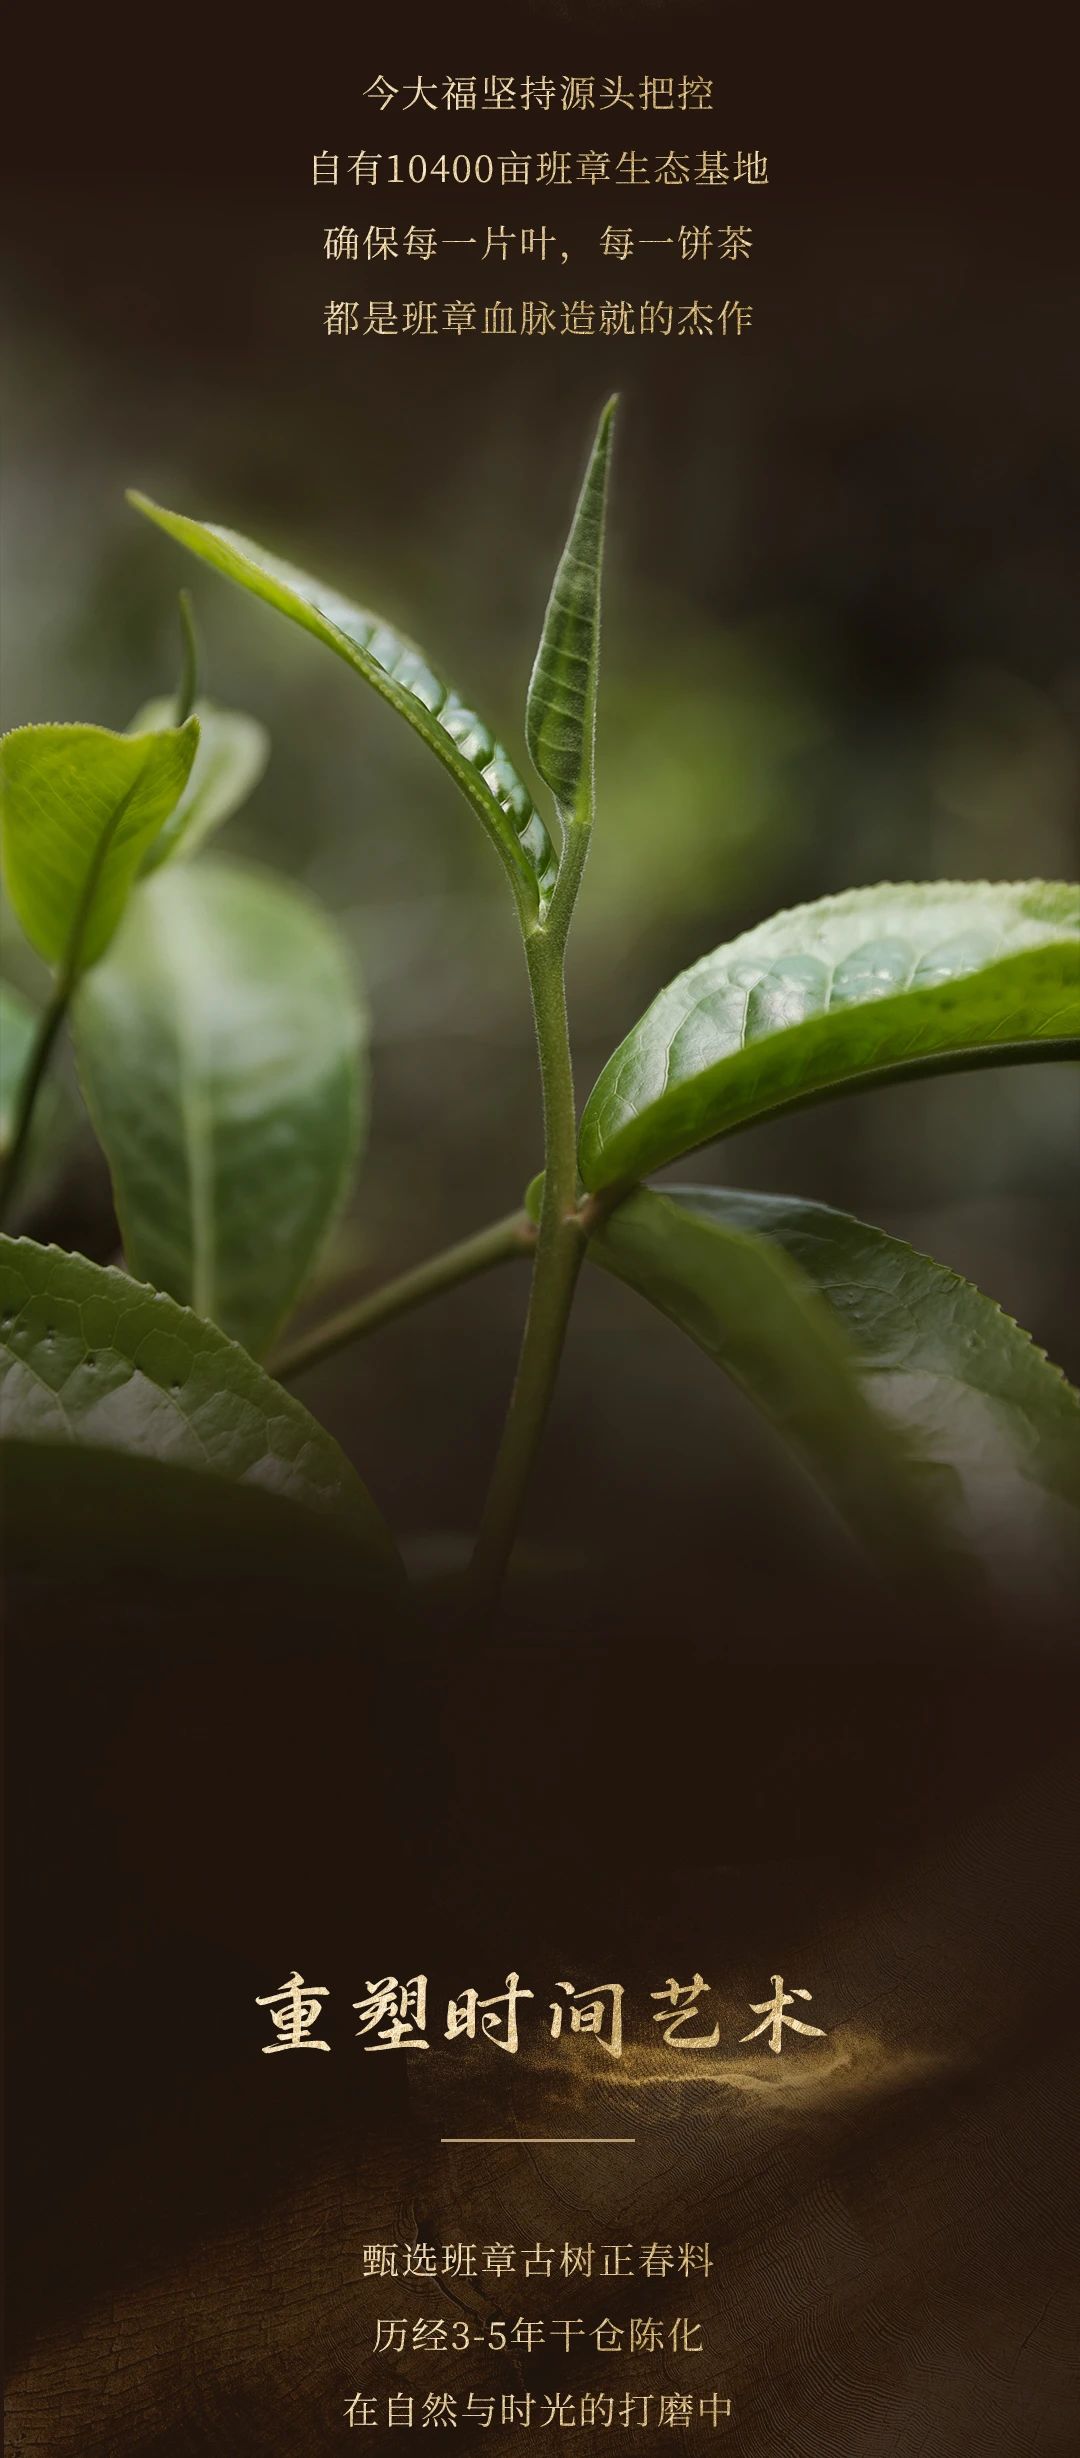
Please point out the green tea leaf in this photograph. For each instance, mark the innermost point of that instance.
(79, 809)
(232, 754)
(400, 673)
(126, 1424)
(956, 1376)
(859, 989)
(752, 1308)
(561, 709)
(219, 1046)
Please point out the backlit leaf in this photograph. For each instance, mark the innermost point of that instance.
(219, 1046)
(79, 809)
(232, 754)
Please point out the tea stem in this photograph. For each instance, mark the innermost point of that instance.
(188, 687)
(52, 1016)
(500, 1243)
(49, 1025)
(560, 1247)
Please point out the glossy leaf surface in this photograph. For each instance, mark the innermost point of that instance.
(116, 1400)
(561, 708)
(219, 1046)
(401, 674)
(752, 1308)
(232, 754)
(878, 983)
(79, 809)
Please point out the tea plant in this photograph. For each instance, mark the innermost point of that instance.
(220, 1051)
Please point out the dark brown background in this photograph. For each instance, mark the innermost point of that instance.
(707, 1740)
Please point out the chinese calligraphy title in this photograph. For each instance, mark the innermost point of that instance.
(393, 2015)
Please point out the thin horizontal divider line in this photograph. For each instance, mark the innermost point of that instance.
(534, 2138)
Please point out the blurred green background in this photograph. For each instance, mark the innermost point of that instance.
(840, 646)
